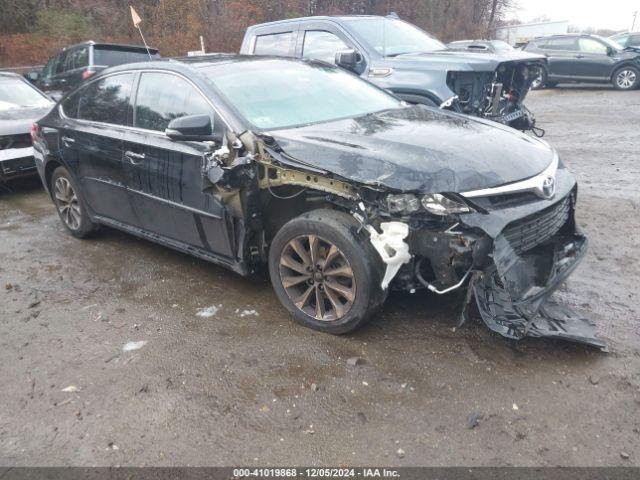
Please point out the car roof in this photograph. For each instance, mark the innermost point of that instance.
(122, 46)
(186, 64)
(335, 18)
(563, 35)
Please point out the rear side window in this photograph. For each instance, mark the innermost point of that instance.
(105, 100)
(321, 45)
(634, 41)
(274, 44)
(566, 43)
(112, 56)
(163, 97)
(78, 58)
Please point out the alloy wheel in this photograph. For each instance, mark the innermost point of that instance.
(626, 79)
(317, 277)
(67, 202)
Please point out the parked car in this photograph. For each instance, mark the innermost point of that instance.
(627, 40)
(20, 105)
(407, 61)
(64, 71)
(586, 58)
(481, 46)
(336, 186)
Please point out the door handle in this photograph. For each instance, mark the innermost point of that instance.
(134, 157)
(579, 56)
(68, 141)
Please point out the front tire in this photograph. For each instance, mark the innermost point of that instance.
(325, 273)
(626, 78)
(70, 204)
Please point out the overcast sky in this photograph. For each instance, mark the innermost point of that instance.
(613, 14)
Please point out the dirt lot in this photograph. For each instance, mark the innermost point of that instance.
(248, 386)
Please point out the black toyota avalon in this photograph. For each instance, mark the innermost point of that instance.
(338, 188)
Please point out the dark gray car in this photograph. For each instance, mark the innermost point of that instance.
(407, 61)
(64, 71)
(586, 59)
(21, 104)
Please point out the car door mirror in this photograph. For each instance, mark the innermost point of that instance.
(33, 75)
(195, 128)
(610, 51)
(348, 59)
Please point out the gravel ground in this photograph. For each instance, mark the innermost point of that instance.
(247, 386)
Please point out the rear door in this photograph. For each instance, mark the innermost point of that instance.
(165, 177)
(96, 117)
(595, 61)
(562, 56)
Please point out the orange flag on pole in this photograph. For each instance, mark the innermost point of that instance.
(135, 17)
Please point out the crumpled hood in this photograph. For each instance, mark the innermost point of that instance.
(15, 121)
(418, 149)
(455, 59)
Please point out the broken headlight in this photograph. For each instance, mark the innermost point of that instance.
(434, 203)
(403, 203)
(440, 205)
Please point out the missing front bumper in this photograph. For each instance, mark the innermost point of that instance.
(514, 294)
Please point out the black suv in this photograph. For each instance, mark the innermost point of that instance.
(587, 59)
(64, 71)
(409, 62)
(340, 188)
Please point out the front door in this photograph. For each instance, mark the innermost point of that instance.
(91, 143)
(165, 177)
(595, 61)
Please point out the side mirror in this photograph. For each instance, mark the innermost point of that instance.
(610, 51)
(348, 59)
(33, 75)
(195, 128)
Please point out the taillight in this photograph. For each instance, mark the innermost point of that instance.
(86, 74)
(34, 132)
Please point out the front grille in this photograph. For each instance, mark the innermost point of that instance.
(15, 141)
(528, 232)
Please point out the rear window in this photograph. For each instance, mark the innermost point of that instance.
(113, 56)
(565, 43)
(274, 44)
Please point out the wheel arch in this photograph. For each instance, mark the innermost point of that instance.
(624, 64)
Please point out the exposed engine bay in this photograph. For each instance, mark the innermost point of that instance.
(497, 96)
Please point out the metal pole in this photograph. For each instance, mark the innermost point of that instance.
(633, 25)
(145, 43)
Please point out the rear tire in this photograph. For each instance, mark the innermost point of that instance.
(70, 204)
(626, 78)
(325, 273)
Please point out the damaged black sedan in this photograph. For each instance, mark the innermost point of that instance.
(340, 189)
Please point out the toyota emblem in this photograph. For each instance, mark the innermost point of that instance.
(549, 187)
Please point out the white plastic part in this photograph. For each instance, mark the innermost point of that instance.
(391, 247)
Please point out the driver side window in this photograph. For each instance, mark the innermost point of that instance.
(163, 97)
(321, 45)
(588, 45)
